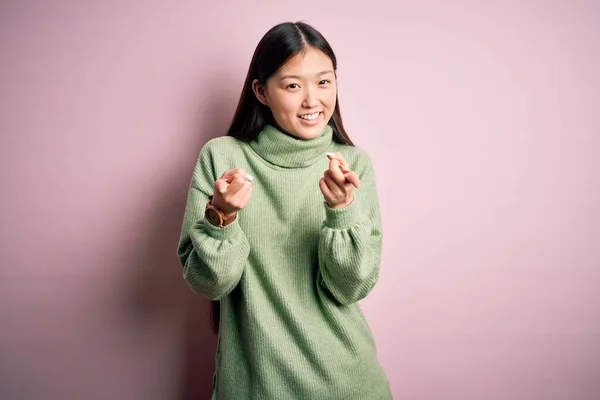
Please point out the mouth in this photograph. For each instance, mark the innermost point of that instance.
(311, 119)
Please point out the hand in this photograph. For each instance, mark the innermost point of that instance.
(232, 191)
(338, 182)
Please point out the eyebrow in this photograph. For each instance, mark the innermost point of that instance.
(297, 77)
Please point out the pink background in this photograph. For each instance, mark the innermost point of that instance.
(483, 122)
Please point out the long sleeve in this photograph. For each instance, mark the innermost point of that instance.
(212, 258)
(350, 244)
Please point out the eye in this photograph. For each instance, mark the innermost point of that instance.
(292, 86)
(325, 82)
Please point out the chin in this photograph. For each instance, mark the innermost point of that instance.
(309, 132)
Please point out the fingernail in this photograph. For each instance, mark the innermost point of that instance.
(330, 154)
(249, 177)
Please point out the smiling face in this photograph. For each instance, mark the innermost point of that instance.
(301, 94)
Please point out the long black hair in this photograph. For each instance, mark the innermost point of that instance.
(277, 46)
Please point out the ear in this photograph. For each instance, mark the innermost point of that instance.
(260, 92)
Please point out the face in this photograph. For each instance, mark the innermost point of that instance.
(301, 94)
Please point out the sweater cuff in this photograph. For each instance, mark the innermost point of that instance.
(230, 232)
(342, 218)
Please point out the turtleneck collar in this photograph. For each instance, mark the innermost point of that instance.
(286, 151)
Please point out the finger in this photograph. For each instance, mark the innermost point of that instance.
(335, 189)
(247, 193)
(240, 198)
(343, 164)
(338, 156)
(339, 190)
(349, 175)
(221, 186)
(237, 182)
(336, 172)
(229, 173)
(353, 178)
(325, 190)
(244, 177)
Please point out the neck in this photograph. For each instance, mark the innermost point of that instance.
(284, 150)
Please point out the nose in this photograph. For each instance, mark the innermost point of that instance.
(310, 98)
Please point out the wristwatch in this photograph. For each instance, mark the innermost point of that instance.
(215, 216)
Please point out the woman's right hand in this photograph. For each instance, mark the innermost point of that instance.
(232, 191)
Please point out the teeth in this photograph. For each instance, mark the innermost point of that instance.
(310, 117)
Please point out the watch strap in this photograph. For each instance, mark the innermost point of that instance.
(223, 220)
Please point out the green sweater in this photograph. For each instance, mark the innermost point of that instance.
(288, 272)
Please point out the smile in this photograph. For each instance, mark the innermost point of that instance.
(310, 117)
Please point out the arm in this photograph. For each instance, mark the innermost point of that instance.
(350, 244)
(212, 258)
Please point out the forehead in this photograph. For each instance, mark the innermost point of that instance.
(310, 62)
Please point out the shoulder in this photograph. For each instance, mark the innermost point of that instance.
(220, 144)
(217, 155)
(220, 149)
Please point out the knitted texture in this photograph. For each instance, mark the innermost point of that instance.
(289, 272)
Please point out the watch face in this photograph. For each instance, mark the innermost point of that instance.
(213, 217)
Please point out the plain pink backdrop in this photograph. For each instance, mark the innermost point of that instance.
(483, 120)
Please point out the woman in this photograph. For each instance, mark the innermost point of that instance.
(282, 228)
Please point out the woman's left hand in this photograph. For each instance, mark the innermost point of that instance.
(338, 182)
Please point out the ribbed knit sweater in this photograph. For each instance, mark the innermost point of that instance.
(288, 272)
